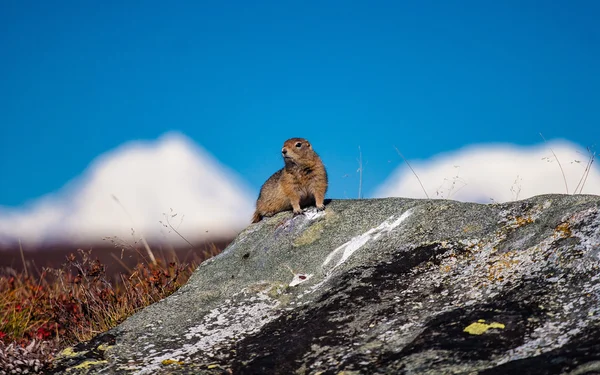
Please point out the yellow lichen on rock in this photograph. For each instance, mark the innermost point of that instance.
(70, 353)
(168, 362)
(89, 363)
(520, 221)
(501, 264)
(104, 347)
(480, 327)
(563, 230)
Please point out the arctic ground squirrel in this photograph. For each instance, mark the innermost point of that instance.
(301, 183)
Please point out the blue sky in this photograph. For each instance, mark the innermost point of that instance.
(81, 78)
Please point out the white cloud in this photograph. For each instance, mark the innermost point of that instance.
(496, 172)
(147, 179)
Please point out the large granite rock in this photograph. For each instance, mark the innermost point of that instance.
(381, 286)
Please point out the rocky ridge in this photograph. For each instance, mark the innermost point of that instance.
(380, 286)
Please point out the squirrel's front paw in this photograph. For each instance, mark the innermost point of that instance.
(321, 208)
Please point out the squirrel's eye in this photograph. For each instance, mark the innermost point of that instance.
(299, 144)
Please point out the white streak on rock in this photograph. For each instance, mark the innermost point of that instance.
(350, 247)
(312, 214)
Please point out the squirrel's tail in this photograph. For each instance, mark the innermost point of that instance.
(256, 217)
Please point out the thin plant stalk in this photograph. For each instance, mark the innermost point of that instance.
(586, 172)
(23, 259)
(559, 165)
(413, 171)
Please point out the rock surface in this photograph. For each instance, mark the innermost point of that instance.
(382, 286)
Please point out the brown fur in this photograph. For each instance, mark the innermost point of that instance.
(302, 182)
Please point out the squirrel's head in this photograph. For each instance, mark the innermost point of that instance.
(295, 150)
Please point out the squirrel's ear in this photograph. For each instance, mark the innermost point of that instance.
(308, 145)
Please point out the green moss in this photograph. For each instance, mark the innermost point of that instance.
(276, 290)
(313, 233)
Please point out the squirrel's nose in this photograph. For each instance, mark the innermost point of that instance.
(284, 151)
